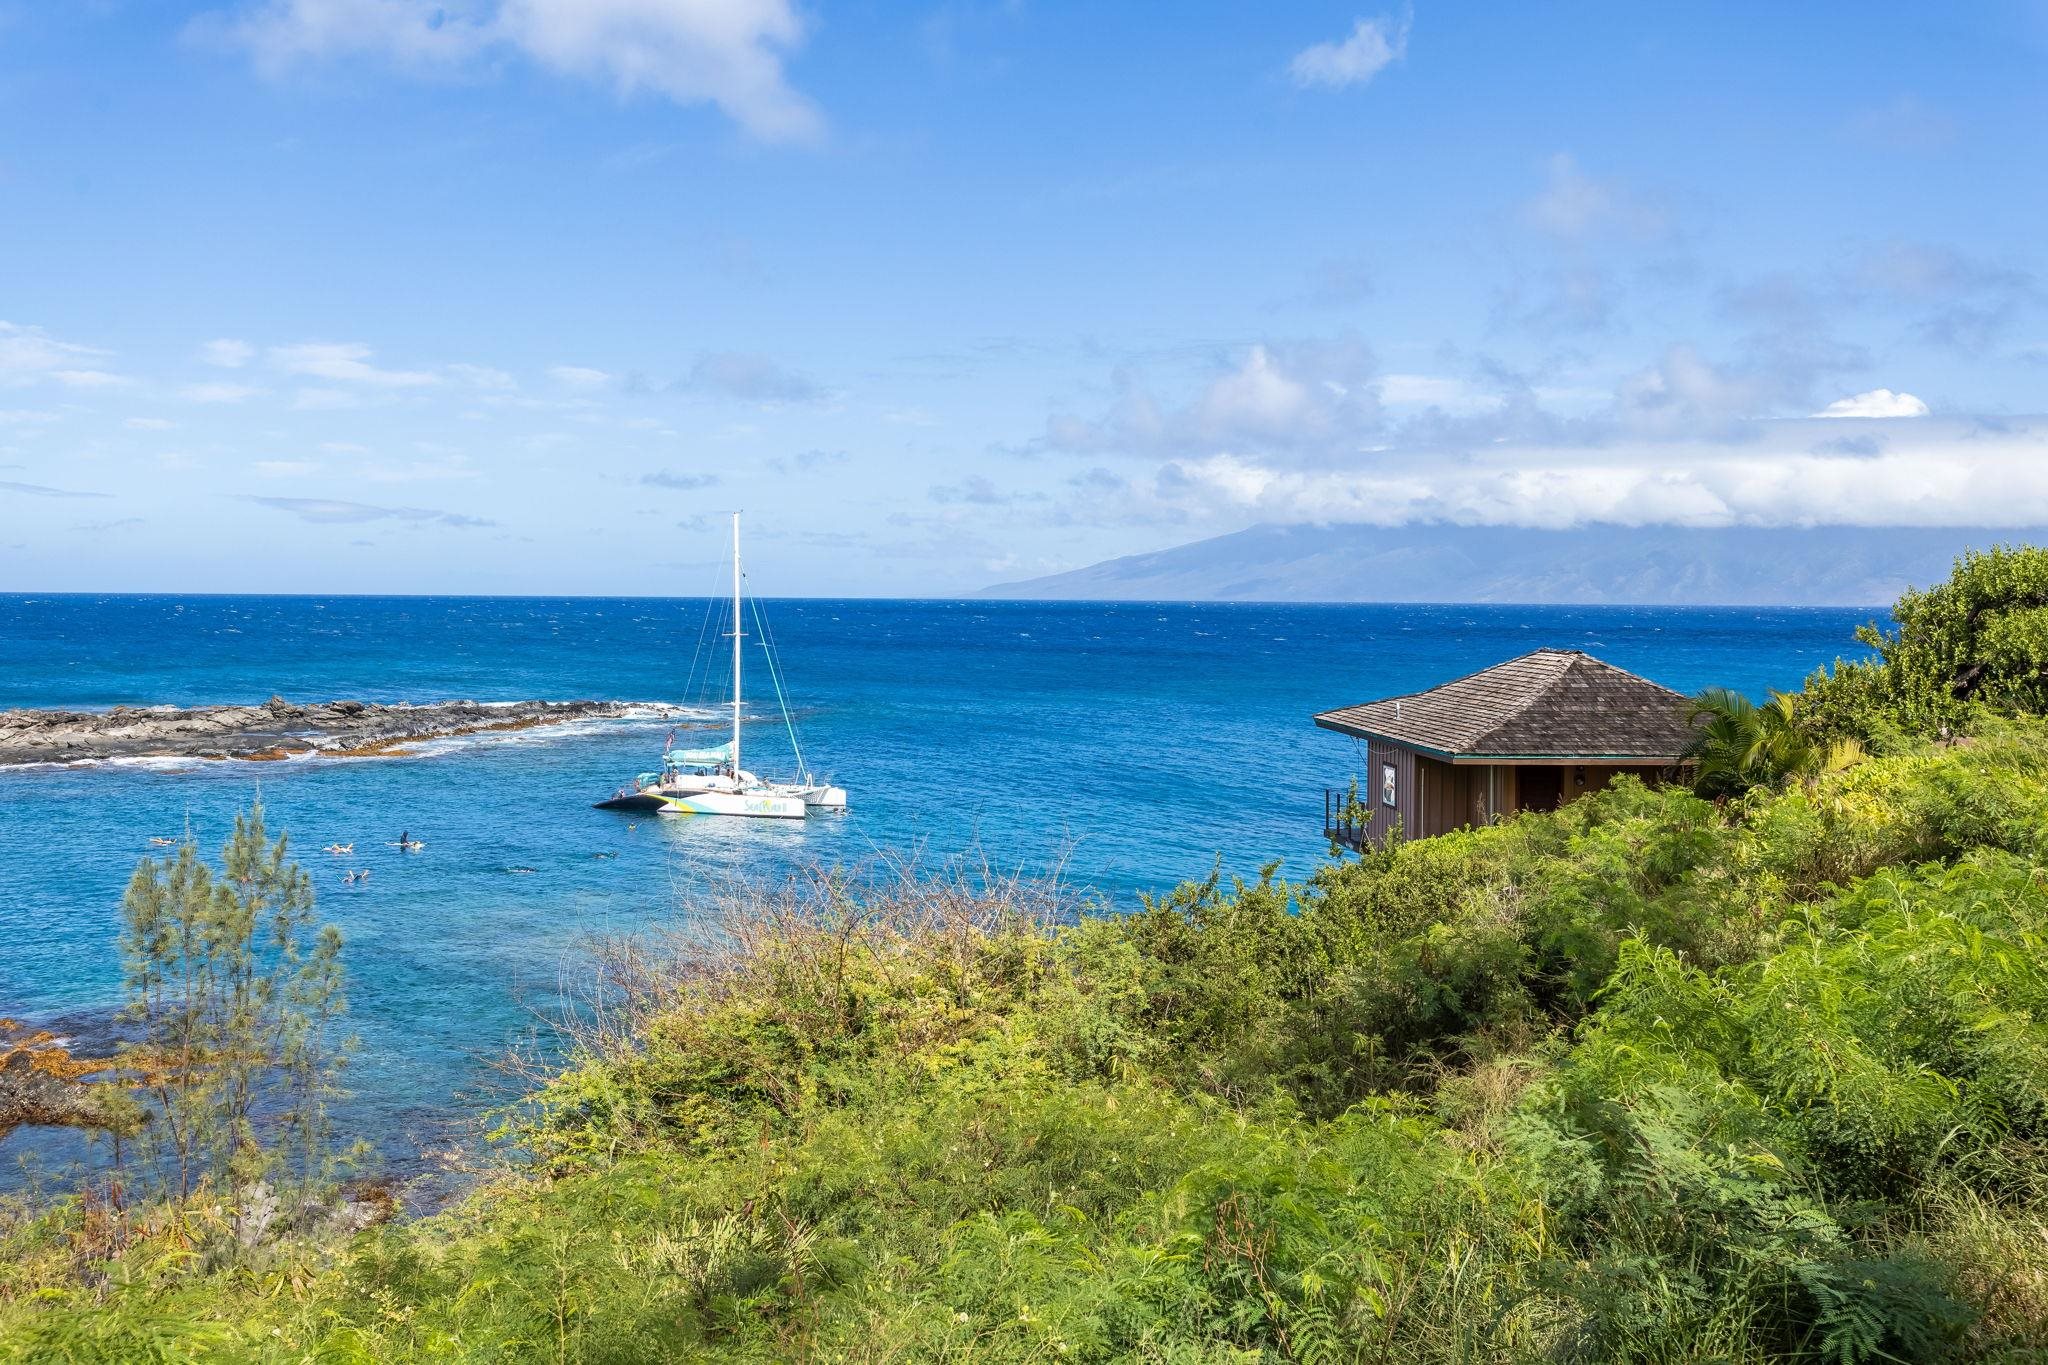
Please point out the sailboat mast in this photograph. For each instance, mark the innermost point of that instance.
(735, 646)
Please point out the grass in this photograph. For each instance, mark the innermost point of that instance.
(1649, 1078)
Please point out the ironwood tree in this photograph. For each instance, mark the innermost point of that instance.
(237, 999)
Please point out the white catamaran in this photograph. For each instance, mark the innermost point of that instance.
(711, 781)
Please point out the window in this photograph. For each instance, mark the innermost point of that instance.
(1386, 784)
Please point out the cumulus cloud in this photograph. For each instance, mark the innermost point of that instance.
(1285, 395)
(1686, 394)
(1875, 403)
(1371, 47)
(227, 353)
(1294, 432)
(345, 363)
(731, 53)
(755, 378)
(335, 512)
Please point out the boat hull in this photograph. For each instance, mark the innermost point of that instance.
(646, 803)
(756, 805)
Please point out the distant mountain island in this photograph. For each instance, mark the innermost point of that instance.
(1651, 565)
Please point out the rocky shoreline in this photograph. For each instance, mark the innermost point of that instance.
(43, 1085)
(277, 729)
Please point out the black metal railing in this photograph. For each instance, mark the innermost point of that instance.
(1345, 821)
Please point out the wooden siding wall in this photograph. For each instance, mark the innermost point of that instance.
(1430, 797)
(1433, 797)
(1383, 817)
(1443, 799)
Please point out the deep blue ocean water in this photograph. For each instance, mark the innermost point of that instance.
(1137, 743)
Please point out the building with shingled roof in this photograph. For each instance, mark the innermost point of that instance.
(1528, 734)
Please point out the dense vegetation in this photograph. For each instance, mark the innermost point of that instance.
(1655, 1077)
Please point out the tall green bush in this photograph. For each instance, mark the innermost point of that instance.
(1977, 639)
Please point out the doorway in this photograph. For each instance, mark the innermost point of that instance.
(1539, 788)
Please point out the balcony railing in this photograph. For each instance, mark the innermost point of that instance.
(1345, 821)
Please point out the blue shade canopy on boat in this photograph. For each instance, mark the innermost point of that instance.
(698, 758)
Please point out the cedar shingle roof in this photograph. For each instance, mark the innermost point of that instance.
(1549, 703)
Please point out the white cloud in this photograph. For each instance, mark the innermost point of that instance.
(336, 512)
(1432, 390)
(40, 490)
(1687, 395)
(149, 424)
(1947, 474)
(284, 469)
(87, 379)
(448, 465)
(218, 393)
(346, 364)
(1288, 395)
(324, 400)
(1876, 403)
(1574, 206)
(30, 354)
(729, 53)
(579, 376)
(1906, 124)
(227, 353)
(755, 378)
(484, 377)
(1373, 45)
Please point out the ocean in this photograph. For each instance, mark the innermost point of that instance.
(1132, 746)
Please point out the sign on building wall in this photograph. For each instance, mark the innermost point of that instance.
(1386, 784)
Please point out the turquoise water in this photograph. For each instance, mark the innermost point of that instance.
(1136, 743)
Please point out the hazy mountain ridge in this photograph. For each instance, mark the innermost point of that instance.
(1654, 565)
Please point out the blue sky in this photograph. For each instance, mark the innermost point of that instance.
(519, 295)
